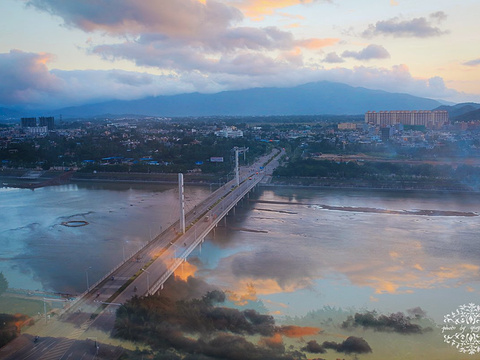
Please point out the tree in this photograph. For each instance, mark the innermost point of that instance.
(3, 283)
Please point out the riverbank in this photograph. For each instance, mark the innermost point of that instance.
(444, 185)
(23, 176)
(15, 176)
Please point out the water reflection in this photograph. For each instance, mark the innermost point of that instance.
(293, 246)
(297, 257)
(38, 252)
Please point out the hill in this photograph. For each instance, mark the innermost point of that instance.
(319, 98)
(462, 111)
(309, 99)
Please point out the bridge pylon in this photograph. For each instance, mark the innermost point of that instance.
(181, 199)
(237, 172)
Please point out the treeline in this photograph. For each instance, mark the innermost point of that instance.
(179, 155)
(377, 170)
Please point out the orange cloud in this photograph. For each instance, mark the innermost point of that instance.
(273, 341)
(386, 278)
(257, 9)
(316, 43)
(44, 58)
(249, 289)
(294, 331)
(185, 270)
(293, 26)
(242, 298)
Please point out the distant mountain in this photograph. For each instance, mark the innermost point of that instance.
(469, 116)
(6, 113)
(309, 99)
(459, 109)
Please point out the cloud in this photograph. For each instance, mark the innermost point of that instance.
(178, 19)
(275, 342)
(474, 62)
(333, 58)
(26, 78)
(397, 322)
(314, 347)
(294, 331)
(201, 46)
(131, 79)
(257, 9)
(352, 345)
(185, 35)
(418, 27)
(27, 81)
(439, 16)
(200, 329)
(190, 288)
(273, 265)
(370, 52)
(318, 43)
(417, 312)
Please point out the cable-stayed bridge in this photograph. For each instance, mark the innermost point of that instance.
(144, 273)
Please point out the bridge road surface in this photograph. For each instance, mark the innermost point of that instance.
(59, 334)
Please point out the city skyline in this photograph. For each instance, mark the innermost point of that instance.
(57, 53)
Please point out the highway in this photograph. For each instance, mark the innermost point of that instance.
(144, 273)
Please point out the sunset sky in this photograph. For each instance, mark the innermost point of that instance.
(56, 53)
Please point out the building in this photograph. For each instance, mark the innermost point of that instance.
(386, 133)
(37, 130)
(49, 122)
(347, 126)
(28, 122)
(429, 119)
(229, 132)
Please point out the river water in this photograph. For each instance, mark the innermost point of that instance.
(37, 252)
(309, 257)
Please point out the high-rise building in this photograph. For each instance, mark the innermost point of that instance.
(28, 122)
(49, 122)
(429, 119)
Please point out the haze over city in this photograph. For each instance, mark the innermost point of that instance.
(56, 53)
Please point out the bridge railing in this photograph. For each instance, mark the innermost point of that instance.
(199, 239)
(175, 265)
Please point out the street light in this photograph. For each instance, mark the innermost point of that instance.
(86, 274)
(148, 280)
(174, 249)
(45, 305)
(110, 303)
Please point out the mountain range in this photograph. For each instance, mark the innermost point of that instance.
(462, 112)
(318, 98)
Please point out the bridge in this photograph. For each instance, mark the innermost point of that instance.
(144, 273)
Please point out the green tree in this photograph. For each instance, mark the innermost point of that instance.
(3, 283)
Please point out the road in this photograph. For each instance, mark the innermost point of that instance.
(75, 332)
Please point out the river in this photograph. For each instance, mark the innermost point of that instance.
(309, 257)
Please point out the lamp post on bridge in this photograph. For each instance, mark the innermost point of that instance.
(110, 303)
(148, 280)
(174, 249)
(86, 274)
(182, 203)
(45, 305)
(237, 171)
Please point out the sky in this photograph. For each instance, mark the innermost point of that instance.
(56, 53)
